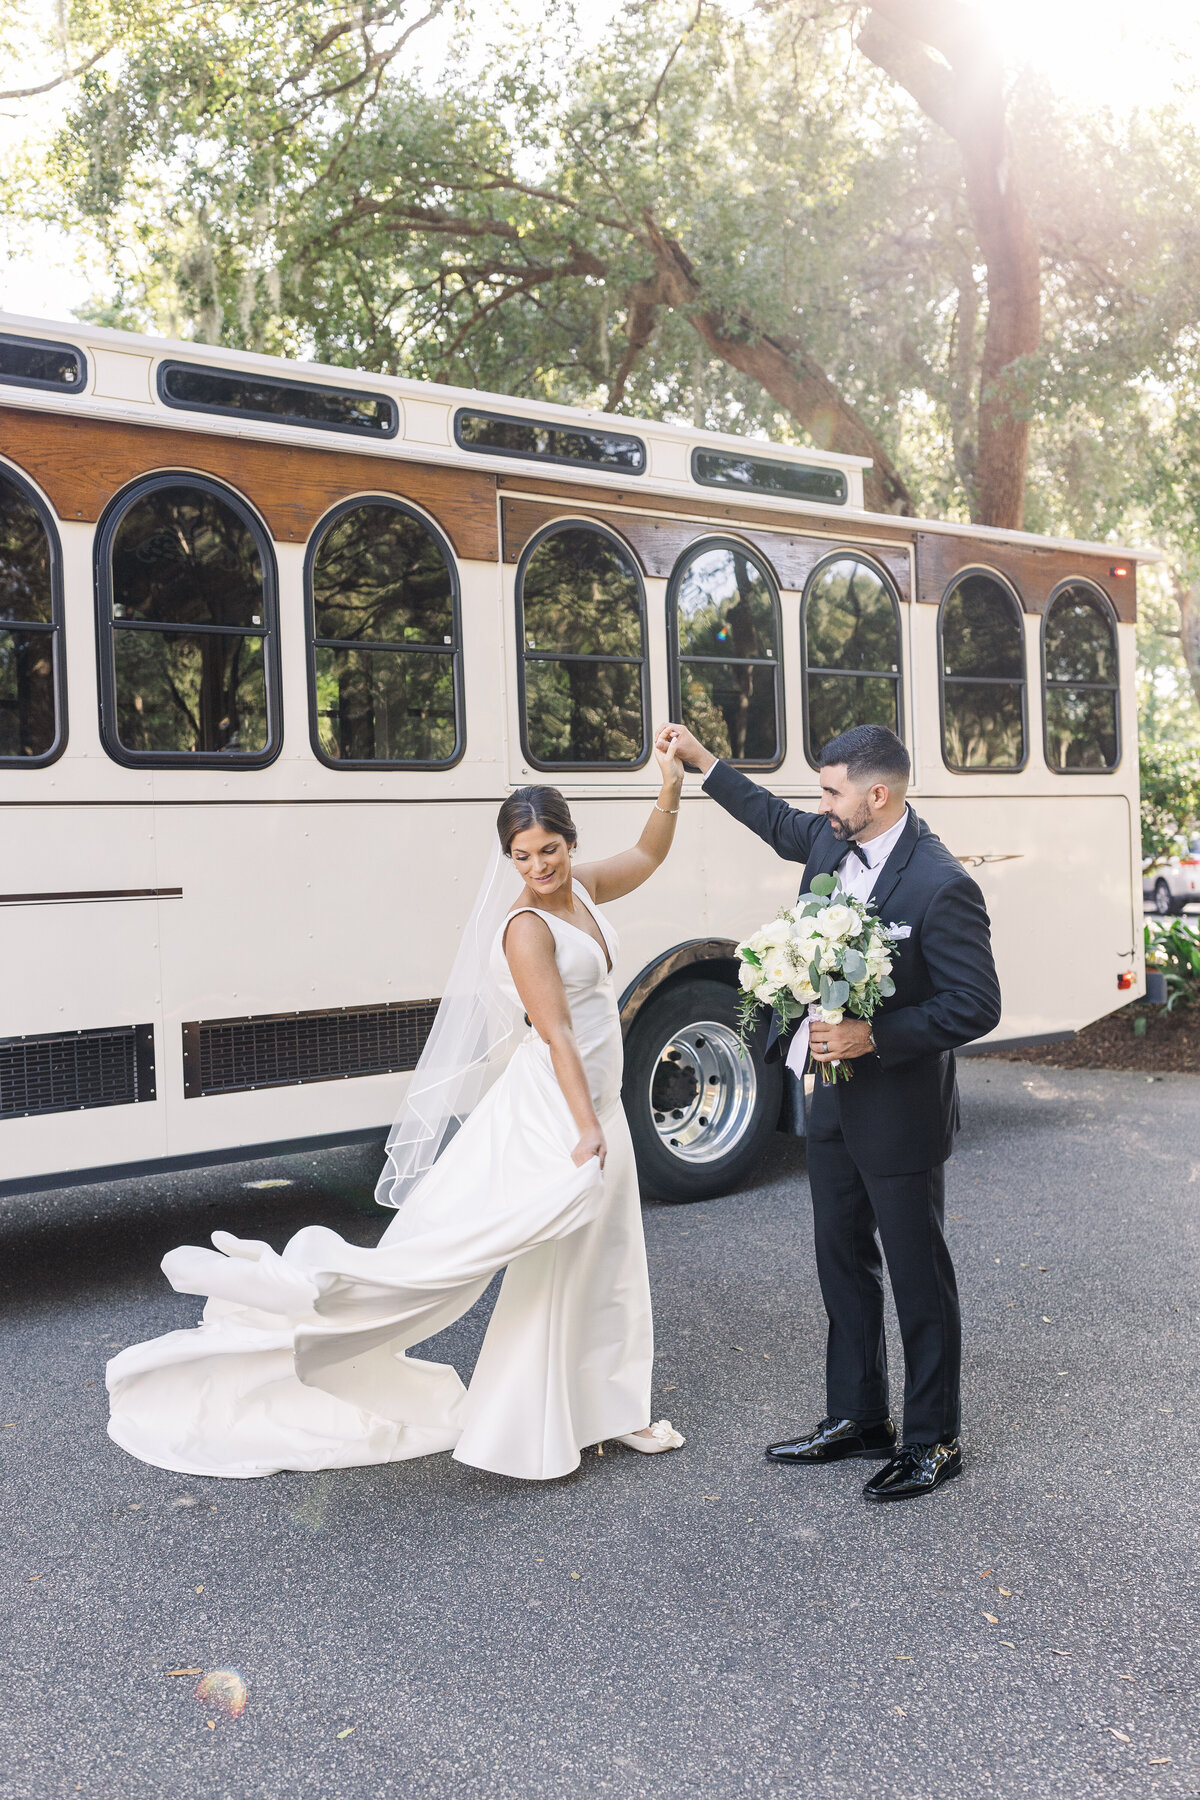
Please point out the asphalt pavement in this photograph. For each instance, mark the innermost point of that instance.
(696, 1624)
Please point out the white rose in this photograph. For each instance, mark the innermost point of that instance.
(831, 1015)
(748, 975)
(828, 960)
(803, 993)
(777, 933)
(777, 968)
(840, 921)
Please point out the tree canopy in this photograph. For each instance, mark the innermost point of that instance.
(853, 225)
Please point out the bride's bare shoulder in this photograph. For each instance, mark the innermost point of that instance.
(526, 929)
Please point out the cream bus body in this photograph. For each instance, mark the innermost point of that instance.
(204, 958)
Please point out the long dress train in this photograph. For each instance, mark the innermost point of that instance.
(299, 1361)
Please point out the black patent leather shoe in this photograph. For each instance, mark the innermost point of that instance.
(916, 1470)
(834, 1439)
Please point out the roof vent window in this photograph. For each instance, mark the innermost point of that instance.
(35, 363)
(195, 388)
(763, 475)
(495, 434)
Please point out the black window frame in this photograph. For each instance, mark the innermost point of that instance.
(1113, 687)
(106, 627)
(736, 487)
(525, 655)
(890, 588)
(323, 526)
(984, 680)
(725, 541)
(35, 381)
(288, 422)
(56, 628)
(533, 456)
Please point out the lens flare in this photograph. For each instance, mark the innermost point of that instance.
(223, 1691)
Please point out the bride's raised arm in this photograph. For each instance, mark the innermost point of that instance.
(613, 876)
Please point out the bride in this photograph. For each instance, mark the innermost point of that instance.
(299, 1361)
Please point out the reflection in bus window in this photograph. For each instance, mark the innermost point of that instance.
(385, 639)
(1079, 659)
(28, 631)
(726, 620)
(581, 613)
(189, 620)
(983, 675)
(851, 626)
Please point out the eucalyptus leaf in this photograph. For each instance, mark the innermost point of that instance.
(854, 966)
(823, 884)
(887, 986)
(834, 993)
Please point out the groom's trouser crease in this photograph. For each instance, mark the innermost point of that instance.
(848, 1205)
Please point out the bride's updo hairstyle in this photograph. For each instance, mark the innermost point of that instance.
(529, 807)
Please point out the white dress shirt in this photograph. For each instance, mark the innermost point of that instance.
(858, 878)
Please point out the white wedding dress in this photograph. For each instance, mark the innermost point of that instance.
(299, 1362)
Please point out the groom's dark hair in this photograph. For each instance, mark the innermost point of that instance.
(870, 753)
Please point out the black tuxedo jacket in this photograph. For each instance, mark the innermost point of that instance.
(900, 1112)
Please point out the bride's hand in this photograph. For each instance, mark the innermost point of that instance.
(590, 1144)
(670, 764)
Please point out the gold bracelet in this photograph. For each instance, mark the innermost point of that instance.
(668, 812)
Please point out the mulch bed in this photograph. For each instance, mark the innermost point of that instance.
(1171, 1045)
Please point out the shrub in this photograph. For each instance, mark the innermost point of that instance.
(1175, 949)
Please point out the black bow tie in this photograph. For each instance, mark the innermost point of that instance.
(855, 850)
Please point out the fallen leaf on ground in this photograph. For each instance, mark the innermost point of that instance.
(738, 1347)
(211, 1723)
(1046, 1321)
(33, 1578)
(574, 1574)
(991, 1618)
(200, 1589)
(1007, 1644)
(900, 1710)
(1126, 1677)
(984, 1573)
(185, 1671)
(347, 1731)
(1060, 1653)
(1007, 1592)
(902, 1659)
(1120, 1734)
(1156, 1760)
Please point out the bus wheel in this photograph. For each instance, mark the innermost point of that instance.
(699, 1109)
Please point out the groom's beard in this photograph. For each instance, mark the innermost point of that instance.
(846, 830)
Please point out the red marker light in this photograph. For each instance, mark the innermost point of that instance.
(1126, 979)
(1119, 569)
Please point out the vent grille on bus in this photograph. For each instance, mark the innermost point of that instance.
(230, 1056)
(72, 1070)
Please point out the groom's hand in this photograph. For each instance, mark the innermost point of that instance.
(689, 750)
(840, 1043)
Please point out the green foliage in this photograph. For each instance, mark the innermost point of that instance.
(1170, 775)
(1175, 950)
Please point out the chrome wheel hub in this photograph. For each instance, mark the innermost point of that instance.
(702, 1092)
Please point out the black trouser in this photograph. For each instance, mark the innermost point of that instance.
(849, 1207)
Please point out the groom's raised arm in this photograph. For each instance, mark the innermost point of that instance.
(788, 830)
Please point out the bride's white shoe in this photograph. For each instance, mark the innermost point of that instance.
(663, 1436)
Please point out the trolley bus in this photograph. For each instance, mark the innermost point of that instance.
(276, 638)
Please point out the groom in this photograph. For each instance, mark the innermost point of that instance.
(877, 1145)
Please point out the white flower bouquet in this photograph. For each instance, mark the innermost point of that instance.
(827, 956)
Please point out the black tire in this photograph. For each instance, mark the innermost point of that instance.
(1165, 904)
(671, 1063)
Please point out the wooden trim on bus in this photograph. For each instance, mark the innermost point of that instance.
(710, 506)
(659, 542)
(82, 462)
(1035, 573)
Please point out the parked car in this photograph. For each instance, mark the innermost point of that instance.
(1172, 884)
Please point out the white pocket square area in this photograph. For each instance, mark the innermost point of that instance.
(897, 931)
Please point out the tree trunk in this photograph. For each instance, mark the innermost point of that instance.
(942, 52)
(777, 363)
(1187, 598)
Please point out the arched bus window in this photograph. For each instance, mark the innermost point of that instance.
(384, 667)
(32, 714)
(581, 614)
(187, 619)
(723, 614)
(981, 640)
(1080, 672)
(850, 626)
